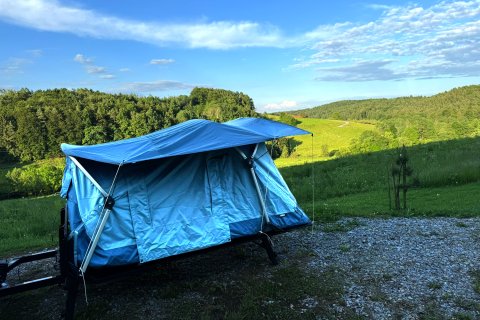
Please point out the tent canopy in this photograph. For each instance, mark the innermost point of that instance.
(189, 137)
(196, 192)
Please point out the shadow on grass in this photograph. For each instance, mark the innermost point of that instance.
(358, 184)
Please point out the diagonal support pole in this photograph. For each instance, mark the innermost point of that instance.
(255, 180)
(87, 174)
(106, 210)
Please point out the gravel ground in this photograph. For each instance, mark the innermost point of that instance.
(403, 268)
(397, 268)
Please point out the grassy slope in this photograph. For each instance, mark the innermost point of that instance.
(335, 134)
(436, 165)
(29, 223)
(450, 201)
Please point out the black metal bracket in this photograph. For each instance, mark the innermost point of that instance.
(109, 203)
(7, 266)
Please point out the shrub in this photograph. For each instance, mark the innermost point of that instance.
(288, 119)
(40, 178)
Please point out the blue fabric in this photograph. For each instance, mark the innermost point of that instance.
(189, 137)
(170, 205)
(269, 128)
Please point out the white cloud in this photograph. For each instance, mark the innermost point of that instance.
(281, 106)
(91, 68)
(360, 71)
(437, 41)
(14, 66)
(95, 69)
(160, 85)
(376, 6)
(442, 39)
(162, 61)
(80, 58)
(51, 15)
(107, 76)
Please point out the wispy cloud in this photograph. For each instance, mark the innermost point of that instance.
(162, 61)
(283, 105)
(404, 42)
(91, 68)
(14, 66)
(35, 52)
(360, 71)
(80, 58)
(160, 85)
(107, 76)
(51, 15)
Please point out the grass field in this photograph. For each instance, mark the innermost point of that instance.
(28, 224)
(328, 135)
(451, 201)
(446, 163)
(447, 176)
(358, 184)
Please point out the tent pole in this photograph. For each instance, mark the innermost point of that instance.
(85, 172)
(255, 180)
(95, 239)
(262, 203)
(106, 210)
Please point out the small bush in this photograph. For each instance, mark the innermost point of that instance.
(288, 119)
(40, 178)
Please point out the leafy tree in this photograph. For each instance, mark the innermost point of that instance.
(288, 119)
(33, 124)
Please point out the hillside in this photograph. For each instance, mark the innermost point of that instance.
(329, 138)
(412, 120)
(458, 103)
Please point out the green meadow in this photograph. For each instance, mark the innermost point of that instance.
(28, 224)
(445, 182)
(328, 135)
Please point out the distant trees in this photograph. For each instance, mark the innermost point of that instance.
(283, 146)
(42, 177)
(288, 119)
(412, 120)
(33, 124)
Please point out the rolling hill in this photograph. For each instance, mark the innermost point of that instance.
(329, 136)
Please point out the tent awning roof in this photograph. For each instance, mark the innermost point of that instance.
(185, 138)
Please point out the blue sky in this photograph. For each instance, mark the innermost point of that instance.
(284, 54)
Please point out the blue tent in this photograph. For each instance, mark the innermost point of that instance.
(191, 186)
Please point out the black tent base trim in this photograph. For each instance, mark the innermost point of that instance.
(69, 277)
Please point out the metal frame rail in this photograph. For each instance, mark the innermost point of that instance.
(69, 275)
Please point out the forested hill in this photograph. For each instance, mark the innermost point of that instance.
(409, 120)
(33, 124)
(459, 103)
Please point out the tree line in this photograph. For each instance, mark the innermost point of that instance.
(408, 120)
(33, 124)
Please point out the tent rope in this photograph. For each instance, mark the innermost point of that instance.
(313, 187)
